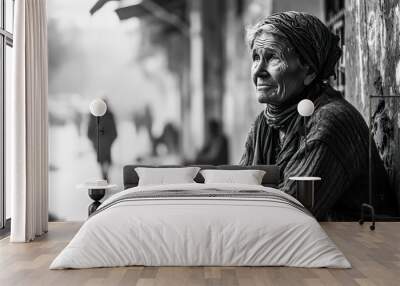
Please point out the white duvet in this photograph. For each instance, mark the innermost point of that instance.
(200, 231)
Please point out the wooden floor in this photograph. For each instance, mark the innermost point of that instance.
(375, 257)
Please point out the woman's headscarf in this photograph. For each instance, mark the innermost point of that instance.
(313, 41)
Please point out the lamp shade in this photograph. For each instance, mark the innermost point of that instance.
(98, 107)
(305, 107)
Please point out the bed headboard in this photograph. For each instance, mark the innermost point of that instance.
(271, 177)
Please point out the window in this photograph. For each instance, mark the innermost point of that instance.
(6, 44)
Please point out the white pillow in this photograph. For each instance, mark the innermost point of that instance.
(248, 177)
(162, 176)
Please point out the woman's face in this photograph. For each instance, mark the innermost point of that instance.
(277, 72)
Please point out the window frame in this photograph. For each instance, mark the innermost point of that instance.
(6, 39)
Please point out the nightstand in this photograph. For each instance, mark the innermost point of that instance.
(96, 193)
(305, 190)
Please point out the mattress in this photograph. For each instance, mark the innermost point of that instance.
(201, 225)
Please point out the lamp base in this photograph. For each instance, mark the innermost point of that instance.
(96, 195)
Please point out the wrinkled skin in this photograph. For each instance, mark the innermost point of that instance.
(277, 72)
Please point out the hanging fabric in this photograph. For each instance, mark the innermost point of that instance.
(27, 123)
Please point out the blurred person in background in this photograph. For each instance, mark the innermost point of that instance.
(215, 151)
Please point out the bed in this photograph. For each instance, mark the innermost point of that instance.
(201, 224)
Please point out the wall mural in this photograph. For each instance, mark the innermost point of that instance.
(101, 57)
(150, 67)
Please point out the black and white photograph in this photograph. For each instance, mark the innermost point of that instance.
(199, 142)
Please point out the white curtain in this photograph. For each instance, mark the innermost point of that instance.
(27, 123)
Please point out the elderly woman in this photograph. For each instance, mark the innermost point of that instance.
(293, 56)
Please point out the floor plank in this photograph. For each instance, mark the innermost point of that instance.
(375, 257)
